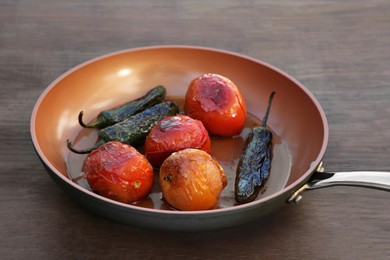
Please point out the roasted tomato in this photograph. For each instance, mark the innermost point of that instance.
(174, 133)
(217, 102)
(191, 179)
(119, 172)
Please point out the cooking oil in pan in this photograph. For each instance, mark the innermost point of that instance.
(226, 151)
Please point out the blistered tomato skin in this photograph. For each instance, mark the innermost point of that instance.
(191, 179)
(174, 133)
(217, 102)
(119, 172)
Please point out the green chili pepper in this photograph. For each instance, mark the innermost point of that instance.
(113, 116)
(133, 130)
(254, 165)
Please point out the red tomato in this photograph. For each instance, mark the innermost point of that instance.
(174, 133)
(119, 172)
(216, 101)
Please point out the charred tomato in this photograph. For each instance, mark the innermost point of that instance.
(174, 133)
(191, 179)
(217, 102)
(119, 172)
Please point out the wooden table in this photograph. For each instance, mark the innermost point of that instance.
(340, 50)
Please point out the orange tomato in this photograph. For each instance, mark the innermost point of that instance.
(119, 172)
(174, 133)
(191, 179)
(217, 102)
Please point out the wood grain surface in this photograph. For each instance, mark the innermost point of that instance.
(340, 50)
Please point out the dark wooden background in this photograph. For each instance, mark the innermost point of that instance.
(340, 50)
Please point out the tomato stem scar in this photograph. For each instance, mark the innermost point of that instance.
(168, 177)
(136, 184)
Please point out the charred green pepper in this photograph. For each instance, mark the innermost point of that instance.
(113, 116)
(254, 165)
(133, 130)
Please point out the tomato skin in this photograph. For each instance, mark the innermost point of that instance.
(174, 133)
(119, 172)
(217, 102)
(191, 179)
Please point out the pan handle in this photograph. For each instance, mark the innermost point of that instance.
(369, 179)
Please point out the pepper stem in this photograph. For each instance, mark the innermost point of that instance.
(97, 124)
(83, 151)
(264, 123)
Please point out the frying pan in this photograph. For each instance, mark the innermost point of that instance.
(297, 120)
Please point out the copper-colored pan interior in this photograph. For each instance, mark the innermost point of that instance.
(111, 80)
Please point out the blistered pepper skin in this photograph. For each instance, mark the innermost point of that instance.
(132, 131)
(113, 116)
(254, 166)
